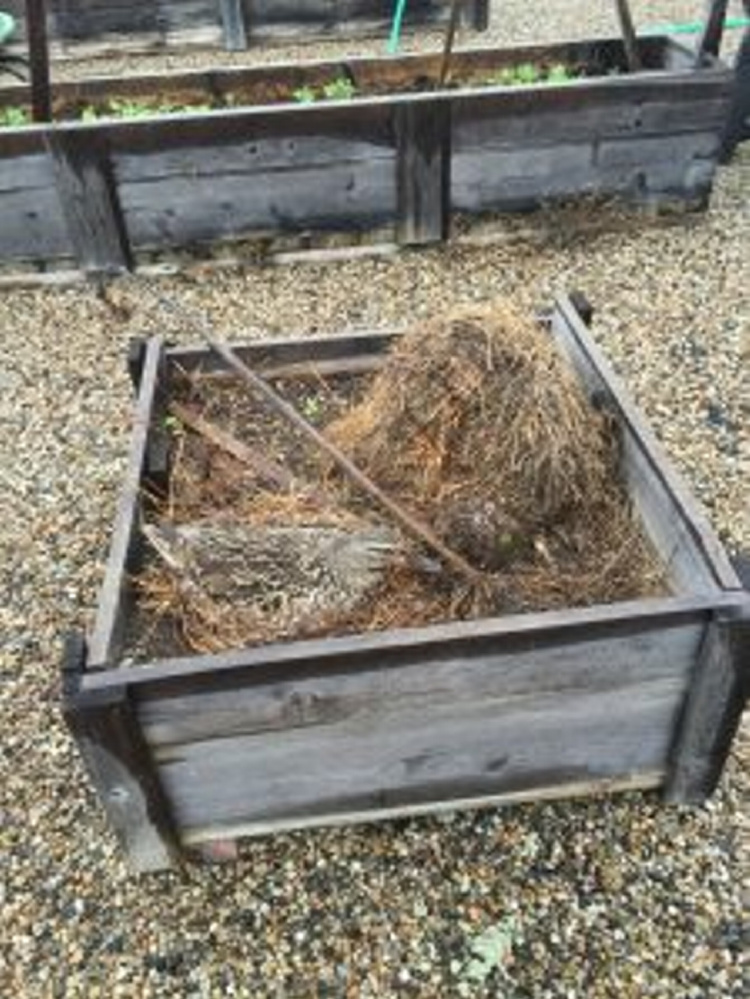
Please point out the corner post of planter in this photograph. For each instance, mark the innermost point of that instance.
(233, 24)
(105, 727)
(423, 149)
(88, 196)
(713, 708)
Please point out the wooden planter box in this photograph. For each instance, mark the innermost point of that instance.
(393, 168)
(92, 26)
(644, 693)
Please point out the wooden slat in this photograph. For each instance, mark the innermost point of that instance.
(114, 595)
(233, 24)
(717, 695)
(677, 528)
(405, 755)
(648, 780)
(391, 648)
(274, 352)
(623, 659)
(423, 133)
(120, 766)
(89, 201)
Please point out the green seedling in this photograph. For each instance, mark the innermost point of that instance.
(13, 117)
(304, 95)
(340, 89)
(526, 74)
(311, 408)
(559, 74)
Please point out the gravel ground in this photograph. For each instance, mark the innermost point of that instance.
(511, 22)
(612, 897)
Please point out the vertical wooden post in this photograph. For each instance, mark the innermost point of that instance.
(423, 171)
(233, 24)
(709, 40)
(89, 201)
(712, 711)
(737, 128)
(36, 28)
(106, 730)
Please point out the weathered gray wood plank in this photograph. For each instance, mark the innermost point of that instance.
(678, 529)
(88, 197)
(716, 697)
(409, 755)
(119, 764)
(618, 661)
(189, 210)
(423, 133)
(115, 591)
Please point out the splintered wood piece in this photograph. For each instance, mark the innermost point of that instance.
(265, 468)
(628, 36)
(410, 523)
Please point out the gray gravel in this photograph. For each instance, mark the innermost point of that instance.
(613, 898)
(511, 22)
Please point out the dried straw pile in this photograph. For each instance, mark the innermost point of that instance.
(478, 426)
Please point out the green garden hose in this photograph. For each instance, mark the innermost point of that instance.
(7, 26)
(688, 28)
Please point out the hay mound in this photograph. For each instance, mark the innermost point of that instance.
(477, 421)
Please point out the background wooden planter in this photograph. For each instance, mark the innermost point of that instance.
(644, 693)
(88, 26)
(390, 168)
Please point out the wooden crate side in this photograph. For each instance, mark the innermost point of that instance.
(679, 531)
(115, 594)
(482, 725)
(269, 173)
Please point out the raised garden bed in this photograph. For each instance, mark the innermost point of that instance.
(91, 26)
(642, 693)
(396, 163)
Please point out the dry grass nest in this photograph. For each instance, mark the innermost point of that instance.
(476, 424)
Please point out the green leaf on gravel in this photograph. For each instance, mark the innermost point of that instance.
(491, 949)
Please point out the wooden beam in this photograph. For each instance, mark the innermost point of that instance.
(709, 40)
(233, 24)
(423, 177)
(89, 200)
(712, 711)
(628, 35)
(108, 735)
(36, 30)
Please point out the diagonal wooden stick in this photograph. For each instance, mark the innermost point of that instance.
(450, 34)
(410, 524)
(628, 36)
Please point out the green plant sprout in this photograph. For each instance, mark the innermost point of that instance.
(340, 89)
(304, 95)
(14, 117)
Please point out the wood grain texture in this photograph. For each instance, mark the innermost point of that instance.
(114, 595)
(618, 661)
(89, 202)
(407, 754)
(423, 141)
(119, 765)
(678, 529)
(713, 708)
(564, 790)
